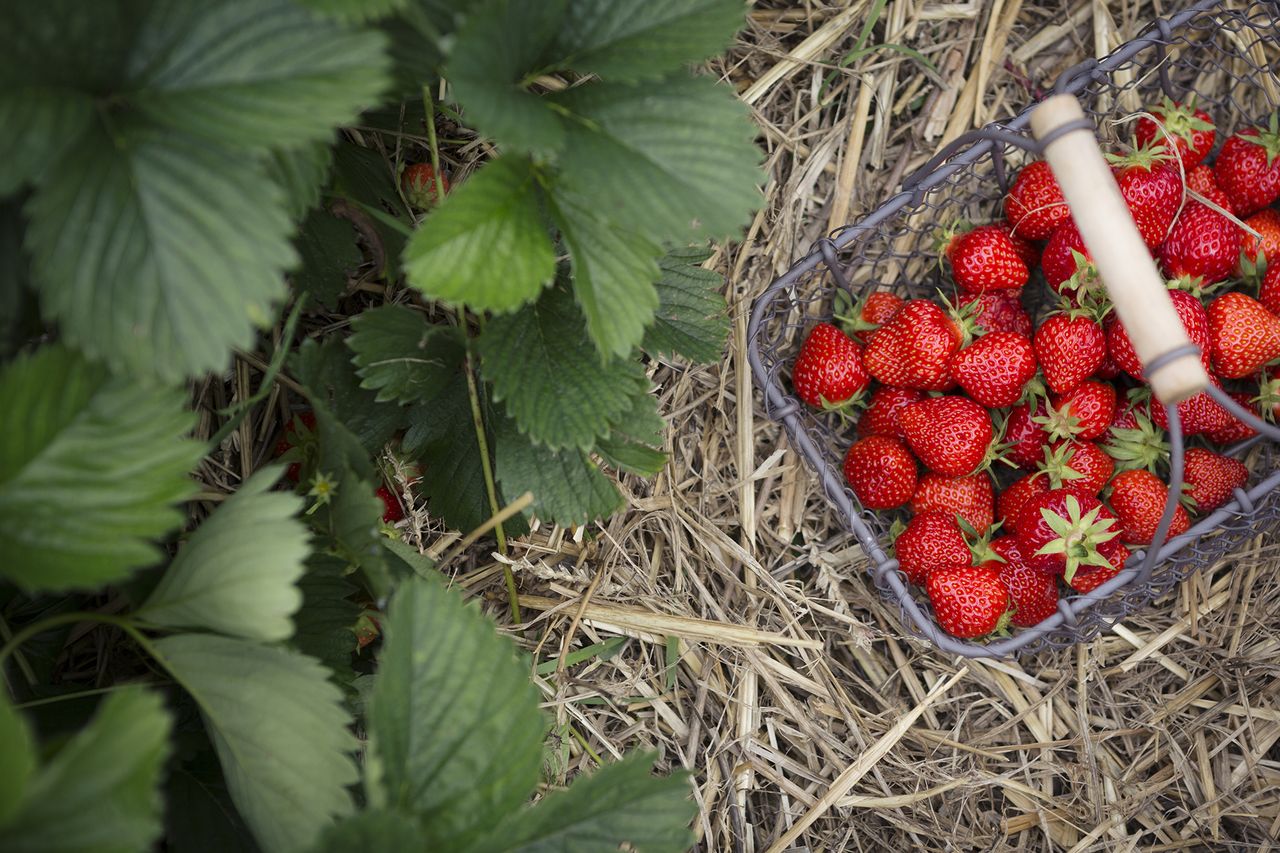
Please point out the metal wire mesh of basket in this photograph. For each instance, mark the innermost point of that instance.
(1221, 51)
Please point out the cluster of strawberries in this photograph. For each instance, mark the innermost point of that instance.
(957, 385)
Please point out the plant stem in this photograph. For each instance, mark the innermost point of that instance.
(477, 420)
(52, 622)
(27, 672)
(428, 104)
(582, 742)
(268, 378)
(79, 694)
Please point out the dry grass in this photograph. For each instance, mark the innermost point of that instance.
(762, 659)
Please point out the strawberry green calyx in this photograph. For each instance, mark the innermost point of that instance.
(1143, 156)
(1057, 465)
(1058, 423)
(965, 316)
(1078, 536)
(1268, 398)
(1181, 119)
(980, 543)
(1143, 446)
(1269, 139)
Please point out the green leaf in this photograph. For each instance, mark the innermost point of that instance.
(375, 830)
(499, 46)
(301, 171)
(485, 246)
(90, 470)
(364, 177)
(402, 356)
(236, 573)
(568, 488)
(620, 806)
(15, 281)
(355, 10)
(329, 253)
(631, 456)
(50, 119)
(665, 160)
(330, 378)
(692, 318)
(350, 525)
(613, 275)
(637, 41)
(18, 749)
(158, 254)
(198, 812)
(100, 791)
(631, 444)
(253, 73)
(551, 378)
(449, 690)
(413, 561)
(324, 622)
(279, 728)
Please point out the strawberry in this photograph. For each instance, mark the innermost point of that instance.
(968, 601)
(1080, 467)
(872, 312)
(1070, 347)
(1188, 133)
(1194, 319)
(1232, 429)
(1200, 180)
(969, 497)
(1019, 491)
(1089, 578)
(985, 259)
(1034, 594)
(950, 435)
(1269, 289)
(1152, 189)
(1138, 497)
(912, 349)
(1084, 412)
(881, 472)
(1133, 441)
(1028, 251)
(829, 371)
(1067, 265)
(994, 369)
(1212, 478)
(1267, 223)
(1060, 532)
(1023, 434)
(1000, 311)
(391, 509)
(297, 433)
(419, 184)
(1247, 169)
(1035, 204)
(882, 414)
(1245, 335)
(1200, 414)
(1203, 244)
(931, 540)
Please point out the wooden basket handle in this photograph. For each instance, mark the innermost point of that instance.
(1124, 263)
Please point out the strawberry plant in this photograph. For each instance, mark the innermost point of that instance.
(286, 673)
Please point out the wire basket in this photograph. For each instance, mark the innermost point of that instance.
(1220, 51)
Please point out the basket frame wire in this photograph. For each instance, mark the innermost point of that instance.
(1253, 505)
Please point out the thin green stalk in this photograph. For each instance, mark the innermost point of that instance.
(268, 378)
(428, 104)
(79, 694)
(582, 742)
(27, 672)
(52, 622)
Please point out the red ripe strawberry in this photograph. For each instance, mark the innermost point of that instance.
(950, 435)
(1084, 412)
(1203, 244)
(1188, 133)
(881, 472)
(887, 403)
(1090, 578)
(969, 497)
(1212, 478)
(1034, 594)
(1000, 311)
(968, 601)
(1079, 467)
(391, 509)
(1232, 429)
(1247, 169)
(985, 259)
(931, 540)
(1070, 347)
(1019, 492)
(419, 184)
(1035, 204)
(1028, 251)
(1194, 319)
(1269, 290)
(994, 369)
(1245, 335)
(875, 309)
(1200, 414)
(1267, 223)
(829, 371)
(1138, 497)
(1153, 191)
(1200, 180)
(1067, 265)
(912, 349)
(1023, 434)
(1059, 532)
